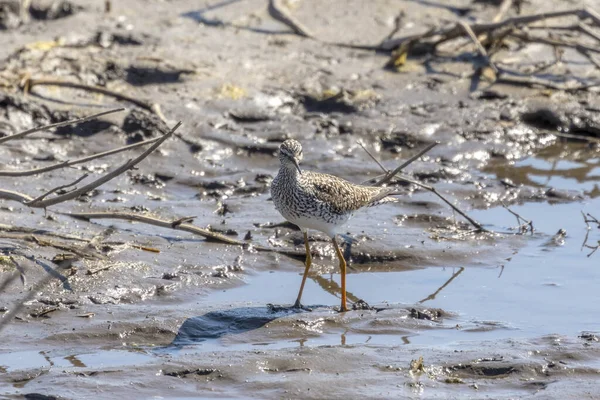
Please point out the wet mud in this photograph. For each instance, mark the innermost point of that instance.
(114, 306)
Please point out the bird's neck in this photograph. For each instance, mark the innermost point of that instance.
(289, 171)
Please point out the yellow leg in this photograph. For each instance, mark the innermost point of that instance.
(343, 307)
(308, 264)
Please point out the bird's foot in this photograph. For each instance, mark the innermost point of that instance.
(275, 308)
(362, 305)
(297, 305)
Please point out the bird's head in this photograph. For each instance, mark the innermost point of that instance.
(290, 154)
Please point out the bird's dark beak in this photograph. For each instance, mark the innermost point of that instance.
(297, 165)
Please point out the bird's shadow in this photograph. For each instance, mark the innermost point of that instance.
(219, 323)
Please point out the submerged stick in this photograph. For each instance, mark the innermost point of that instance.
(522, 226)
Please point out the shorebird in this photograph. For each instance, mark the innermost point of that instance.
(321, 202)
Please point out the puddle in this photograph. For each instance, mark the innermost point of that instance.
(555, 280)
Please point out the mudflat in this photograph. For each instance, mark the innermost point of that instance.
(503, 306)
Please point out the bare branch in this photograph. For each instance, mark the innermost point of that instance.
(390, 175)
(56, 189)
(177, 225)
(100, 181)
(276, 10)
(502, 10)
(524, 224)
(57, 125)
(455, 208)
(360, 143)
(446, 34)
(479, 46)
(16, 196)
(65, 164)
(154, 108)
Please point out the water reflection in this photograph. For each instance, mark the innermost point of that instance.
(432, 295)
(573, 167)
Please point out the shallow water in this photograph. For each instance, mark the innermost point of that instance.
(541, 287)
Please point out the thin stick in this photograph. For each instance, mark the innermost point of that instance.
(479, 46)
(532, 81)
(393, 173)
(209, 235)
(100, 181)
(455, 208)
(447, 34)
(504, 7)
(587, 30)
(65, 164)
(522, 227)
(57, 125)
(15, 196)
(276, 11)
(371, 155)
(154, 108)
(56, 189)
(554, 42)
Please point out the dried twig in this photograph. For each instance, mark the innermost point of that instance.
(553, 42)
(57, 125)
(154, 108)
(391, 174)
(277, 11)
(65, 164)
(532, 81)
(446, 34)
(502, 10)
(43, 203)
(56, 189)
(524, 224)
(177, 225)
(361, 144)
(479, 46)
(433, 190)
